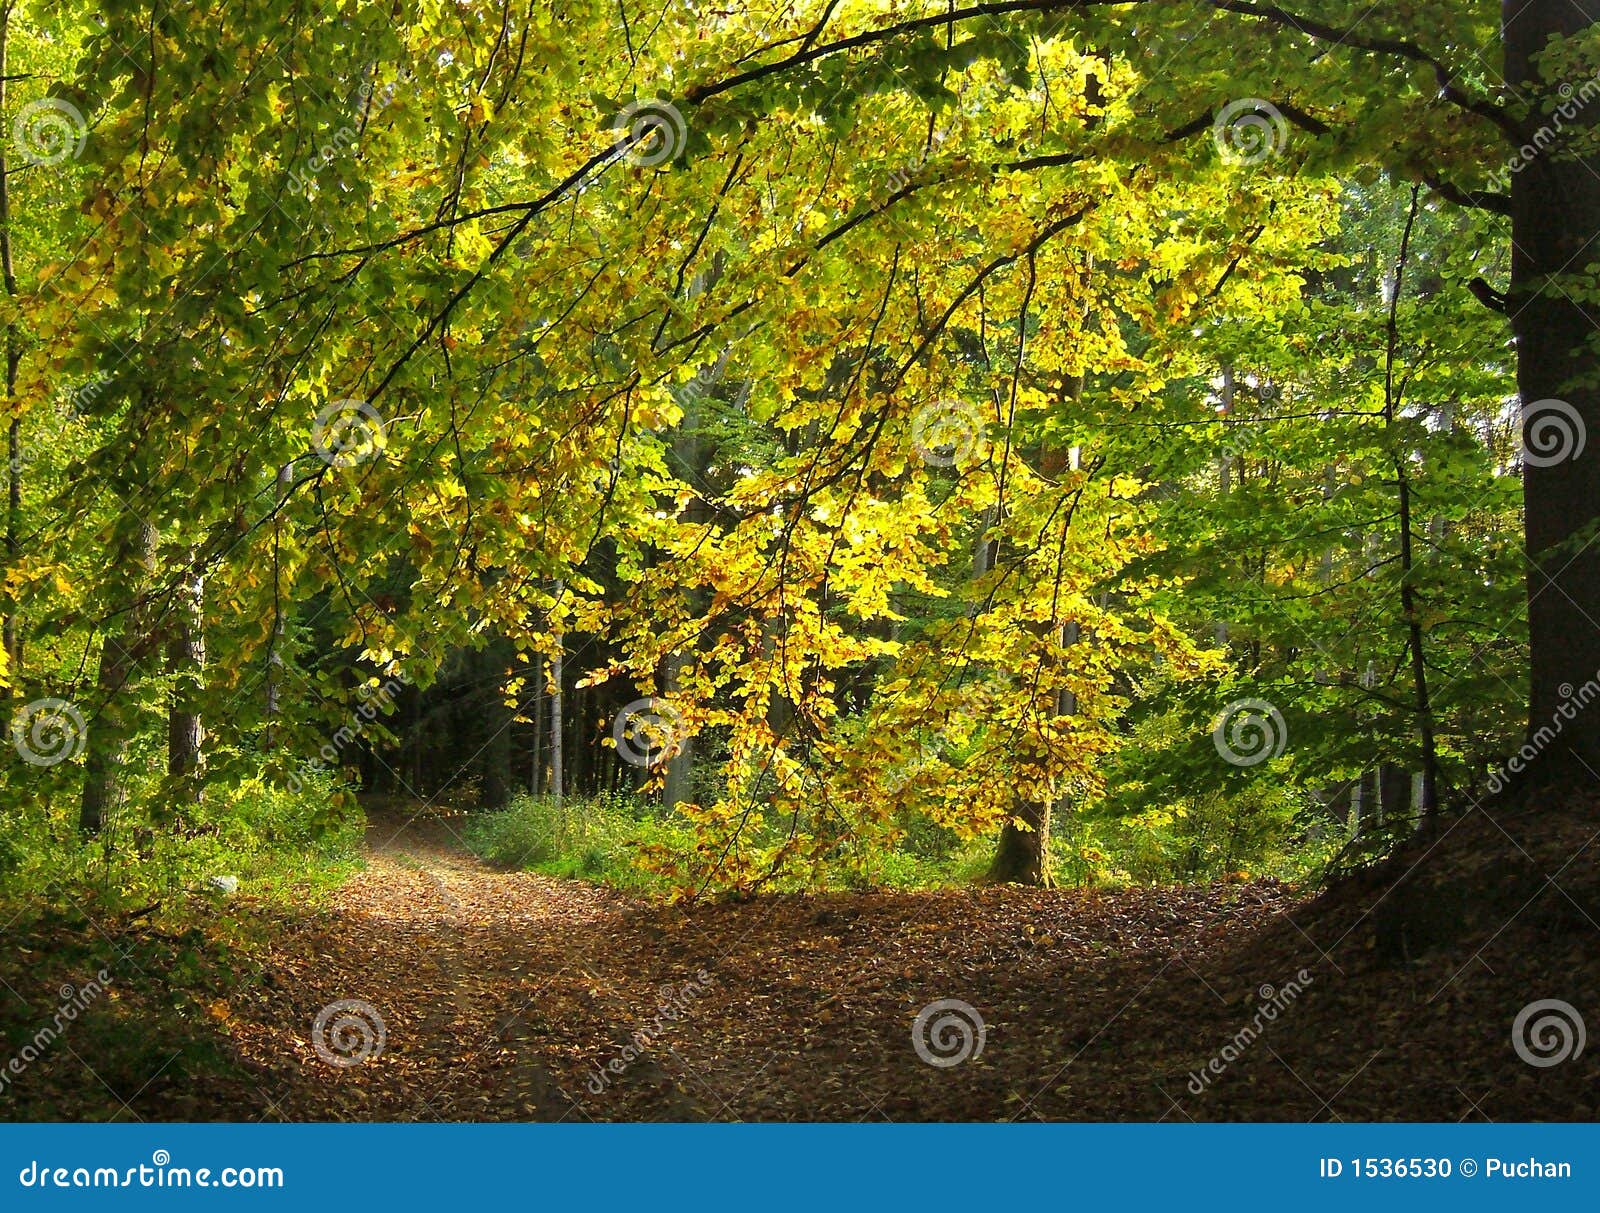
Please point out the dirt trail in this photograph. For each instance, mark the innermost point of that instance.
(517, 996)
(512, 996)
(458, 962)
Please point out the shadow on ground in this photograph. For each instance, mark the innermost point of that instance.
(512, 996)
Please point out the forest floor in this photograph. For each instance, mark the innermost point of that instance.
(503, 995)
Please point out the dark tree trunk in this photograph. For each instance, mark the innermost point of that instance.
(1023, 854)
(1365, 795)
(582, 737)
(1394, 792)
(691, 456)
(277, 643)
(1555, 219)
(11, 627)
(1409, 605)
(677, 787)
(536, 759)
(493, 720)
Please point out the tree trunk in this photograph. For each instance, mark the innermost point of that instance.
(556, 775)
(494, 719)
(536, 759)
(691, 456)
(1395, 787)
(677, 787)
(1555, 219)
(1409, 606)
(1023, 856)
(11, 628)
(280, 614)
(1364, 798)
(186, 663)
(120, 656)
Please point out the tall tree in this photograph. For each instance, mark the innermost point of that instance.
(1555, 221)
(11, 626)
(128, 645)
(186, 665)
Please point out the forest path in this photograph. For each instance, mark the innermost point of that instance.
(510, 995)
(459, 963)
(513, 996)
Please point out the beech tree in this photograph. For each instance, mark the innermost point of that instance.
(410, 296)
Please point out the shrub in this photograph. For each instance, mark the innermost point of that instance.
(147, 851)
(595, 838)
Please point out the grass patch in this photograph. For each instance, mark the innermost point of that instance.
(594, 839)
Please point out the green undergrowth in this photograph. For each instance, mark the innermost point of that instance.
(121, 948)
(1194, 841)
(594, 838)
(279, 847)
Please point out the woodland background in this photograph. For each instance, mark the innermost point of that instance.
(781, 448)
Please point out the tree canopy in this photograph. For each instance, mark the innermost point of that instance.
(918, 413)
